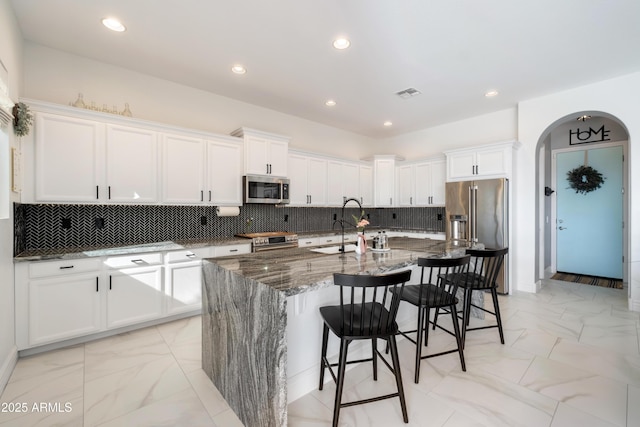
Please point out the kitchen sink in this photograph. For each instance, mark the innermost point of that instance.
(334, 249)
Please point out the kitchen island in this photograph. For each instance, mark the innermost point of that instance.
(257, 320)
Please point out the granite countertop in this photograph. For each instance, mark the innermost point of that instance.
(89, 252)
(298, 270)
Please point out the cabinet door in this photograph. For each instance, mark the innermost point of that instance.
(350, 181)
(183, 170)
(132, 165)
(384, 182)
(255, 155)
(225, 173)
(492, 162)
(63, 307)
(335, 195)
(461, 165)
(298, 194)
(316, 181)
(405, 185)
(277, 158)
(366, 185)
(69, 154)
(423, 184)
(183, 287)
(438, 182)
(133, 296)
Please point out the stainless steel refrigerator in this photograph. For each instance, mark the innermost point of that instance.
(478, 212)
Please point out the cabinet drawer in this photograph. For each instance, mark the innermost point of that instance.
(188, 255)
(231, 250)
(138, 260)
(57, 268)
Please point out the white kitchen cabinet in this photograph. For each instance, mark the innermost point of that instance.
(308, 175)
(134, 295)
(421, 184)
(131, 164)
(68, 159)
(489, 161)
(264, 153)
(183, 169)
(183, 280)
(365, 183)
(57, 300)
(342, 182)
(384, 180)
(224, 164)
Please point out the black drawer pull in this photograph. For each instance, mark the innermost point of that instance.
(66, 267)
(137, 261)
(233, 250)
(191, 255)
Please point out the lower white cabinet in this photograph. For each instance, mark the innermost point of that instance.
(63, 307)
(61, 300)
(134, 295)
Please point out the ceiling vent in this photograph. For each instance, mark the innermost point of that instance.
(408, 93)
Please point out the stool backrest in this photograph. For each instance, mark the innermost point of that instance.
(437, 271)
(370, 305)
(488, 263)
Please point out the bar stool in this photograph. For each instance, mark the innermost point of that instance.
(431, 293)
(487, 264)
(366, 312)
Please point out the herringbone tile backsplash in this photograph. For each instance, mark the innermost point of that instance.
(49, 226)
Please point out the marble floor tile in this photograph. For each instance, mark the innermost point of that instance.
(111, 396)
(570, 358)
(580, 389)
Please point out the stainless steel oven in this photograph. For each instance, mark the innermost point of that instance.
(265, 189)
(271, 240)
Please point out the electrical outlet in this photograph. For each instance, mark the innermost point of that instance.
(98, 223)
(394, 216)
(203, 220)
(439, 217)
(335, 217)
(286, 217)
(66, 223)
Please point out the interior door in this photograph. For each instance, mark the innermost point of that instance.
(589, 226)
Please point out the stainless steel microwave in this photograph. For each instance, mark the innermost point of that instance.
(265, 189)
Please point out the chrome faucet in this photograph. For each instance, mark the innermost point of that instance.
(342, 221)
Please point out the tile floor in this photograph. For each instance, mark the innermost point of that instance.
(571, 358)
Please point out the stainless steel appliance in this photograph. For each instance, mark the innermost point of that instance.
(271, 240)
(265, 189)
(478, 212)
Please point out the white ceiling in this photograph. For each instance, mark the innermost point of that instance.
(453, 51)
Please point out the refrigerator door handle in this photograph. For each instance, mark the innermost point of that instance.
(473, 209)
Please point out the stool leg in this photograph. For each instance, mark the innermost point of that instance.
(325, 339)
(421, 311)
(426, 327)
(466, 313)
(342, 367)
(374, 357)
(398, 375)
(459, 339)
(435, 318)
(494, 295)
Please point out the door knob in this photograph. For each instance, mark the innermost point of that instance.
(562, 228)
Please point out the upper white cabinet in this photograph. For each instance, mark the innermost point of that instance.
(366, 185)
(197, 171)
(488, 161)
(264, 153)
(421, 184)
(384, 171)
(224, 165)
(68, 159)
(308, 175)
(80, 160)
(131, 165)
(342, 182)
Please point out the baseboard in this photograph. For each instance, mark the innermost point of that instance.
(7, 367)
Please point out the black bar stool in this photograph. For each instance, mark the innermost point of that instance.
(487, 264)
(366, 312)
(431, 293)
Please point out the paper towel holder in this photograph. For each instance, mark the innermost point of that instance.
(227, 210)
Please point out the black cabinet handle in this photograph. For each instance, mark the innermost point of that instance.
(201, 195)
(209, 195)
(109, 192)
(110, 282)
(97, 287)
(191, 255)
(233, 250)
(66, 267)
(97, 192)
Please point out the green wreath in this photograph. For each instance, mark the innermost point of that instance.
(22, 119)
(585, 179)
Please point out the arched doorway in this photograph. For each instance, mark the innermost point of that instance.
(578, 133)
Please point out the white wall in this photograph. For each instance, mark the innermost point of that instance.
(619, 97)
(11, 55)
(55, 76)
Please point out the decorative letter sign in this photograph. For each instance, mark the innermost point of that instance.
(585, 136)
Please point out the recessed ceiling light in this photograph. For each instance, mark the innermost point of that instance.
(113, 24)
(388, 123)
(238, 69)
(491, 93)
(341, 43)
(330, 103)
